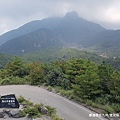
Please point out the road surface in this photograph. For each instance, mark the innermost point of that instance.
(65, 108)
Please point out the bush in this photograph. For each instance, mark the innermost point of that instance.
(22, 113)
(49, 88)
(55, 117)
(108, 108)
(88, 102)
(5, 81)
(116, 107)
(17, 80)
(67, 93)
(21, 99)
(101, 100)
(57, 89)
(13, 81)
(38, 106)
(51, 110)
(33, 112)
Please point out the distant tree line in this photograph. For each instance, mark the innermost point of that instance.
(82, 80)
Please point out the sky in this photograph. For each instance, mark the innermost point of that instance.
(15, 13)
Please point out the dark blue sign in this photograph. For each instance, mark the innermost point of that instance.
(9, 101)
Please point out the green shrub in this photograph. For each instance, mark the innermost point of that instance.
(38, 106)
(56, 117)
(5, 81)
(116, 107)
(33, 112)
(29, 103)
(50, 110)
(13, 80)
(49, 88)
(26, 109)
(78, 99)
(108, 108)
(88, 102)
(67, 93)
(0, 80)
(22, 113)
(63, 93)
(57, 89)
(96, 105)
(17, 80)
(21, 99)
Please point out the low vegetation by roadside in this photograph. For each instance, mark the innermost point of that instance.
(32, 110)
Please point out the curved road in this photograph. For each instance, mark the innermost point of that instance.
(65, 108)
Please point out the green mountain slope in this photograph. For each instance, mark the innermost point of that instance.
(56, 54)
(106, 43)
(61, 54)
(37, 40)
(48, 23)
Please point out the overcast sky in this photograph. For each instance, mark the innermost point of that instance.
(14, 13)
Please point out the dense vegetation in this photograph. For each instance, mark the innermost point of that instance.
(55, 54)
(82, 80)
(107, 42)
(59, 54)
(4, 58)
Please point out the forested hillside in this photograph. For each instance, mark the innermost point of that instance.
(106, 43)
(78, 79)
(62, 54)
(4, 59)
(59, 54)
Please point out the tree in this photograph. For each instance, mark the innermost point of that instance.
(15, 68)
(114, 87)
(88, 85)
(105, 72)
(75, 67)
(36, 73)
(54, 75)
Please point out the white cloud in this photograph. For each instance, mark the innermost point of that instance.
(4, 28)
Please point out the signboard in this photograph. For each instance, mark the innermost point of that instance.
(9, 101)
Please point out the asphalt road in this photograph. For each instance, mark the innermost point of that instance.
(65, 108)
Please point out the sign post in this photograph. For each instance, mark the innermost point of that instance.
(9, 101)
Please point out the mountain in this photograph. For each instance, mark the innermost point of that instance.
(71, 30)
(107, 43)
(78, 30)
(29, 27)
(68, 31)
(39, 39)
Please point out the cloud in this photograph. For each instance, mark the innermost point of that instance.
(3, 28)
(14, 13)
